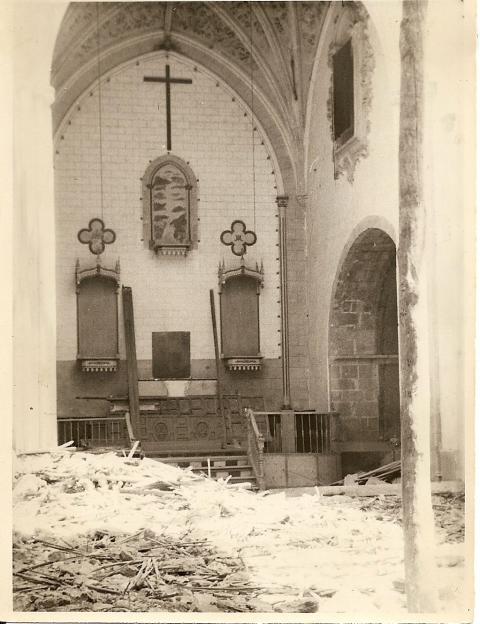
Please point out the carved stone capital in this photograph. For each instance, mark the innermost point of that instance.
(282, 203)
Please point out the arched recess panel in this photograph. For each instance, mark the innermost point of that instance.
(240, 318)
(363, 350)
(169, 188)
(97, 319)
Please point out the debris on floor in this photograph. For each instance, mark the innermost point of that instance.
(138, 572)
(383, 474)
(97, 532)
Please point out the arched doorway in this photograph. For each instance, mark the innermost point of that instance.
(363, 353)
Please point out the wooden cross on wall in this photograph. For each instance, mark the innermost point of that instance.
(168, 80)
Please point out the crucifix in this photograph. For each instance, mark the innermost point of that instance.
(168, 80)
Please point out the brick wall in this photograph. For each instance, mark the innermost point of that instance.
(363, 323)
(212, 131)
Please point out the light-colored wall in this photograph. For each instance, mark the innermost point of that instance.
(213, 134)
(449, 199)
(338, 210)
(34, 30)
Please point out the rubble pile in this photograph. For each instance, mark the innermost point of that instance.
(448, 510)
(135, 573)
(101, 532)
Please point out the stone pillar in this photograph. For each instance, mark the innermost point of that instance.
(414, 345)
(34, 324)
(282, 229)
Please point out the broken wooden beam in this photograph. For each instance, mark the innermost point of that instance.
(132, 367)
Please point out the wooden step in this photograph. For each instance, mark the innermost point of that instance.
(245, 471)
(236, 468)
(168, 454)
(215, 460)
(222, 468)
(252, 479)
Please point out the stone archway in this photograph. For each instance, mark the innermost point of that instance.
(363, 353)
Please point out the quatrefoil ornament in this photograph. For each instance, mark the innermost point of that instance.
(96, 236)
(238, 237)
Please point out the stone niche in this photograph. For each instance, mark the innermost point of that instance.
(363, 343)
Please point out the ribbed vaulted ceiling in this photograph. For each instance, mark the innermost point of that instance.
(267, 48)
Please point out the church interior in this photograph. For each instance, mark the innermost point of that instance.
(228, 184)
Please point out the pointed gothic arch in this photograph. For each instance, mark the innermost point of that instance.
(363, 350)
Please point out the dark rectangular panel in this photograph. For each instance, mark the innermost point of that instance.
(97, 319)
(240, 318)
(171, 355)
(343, 95)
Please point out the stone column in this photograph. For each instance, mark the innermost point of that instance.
(414, 345)
(282, 203)
(34, 324)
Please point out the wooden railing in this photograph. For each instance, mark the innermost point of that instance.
(313, 432)
(270, 426)
(297, 432)
(255, 448)
(93, 432)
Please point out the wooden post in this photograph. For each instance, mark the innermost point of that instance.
(225, 418)
(288, 431)
(132, 370)
(418, 526)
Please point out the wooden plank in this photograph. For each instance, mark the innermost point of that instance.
(128, 422)
(288, 431)
(132, 369)
(226, 419)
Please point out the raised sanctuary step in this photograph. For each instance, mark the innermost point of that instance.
(236, 467)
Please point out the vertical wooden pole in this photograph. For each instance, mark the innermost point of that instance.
(282, 206)
(132, 370)
(418, 526)
(225, 418)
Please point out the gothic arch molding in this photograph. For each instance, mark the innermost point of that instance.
(266, 117)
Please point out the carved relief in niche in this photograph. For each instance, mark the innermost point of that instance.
(160, 431)
(97, 316)
(169, 189)
(351, 25)
(202, 430)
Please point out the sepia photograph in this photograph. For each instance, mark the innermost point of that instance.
(241, 256)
